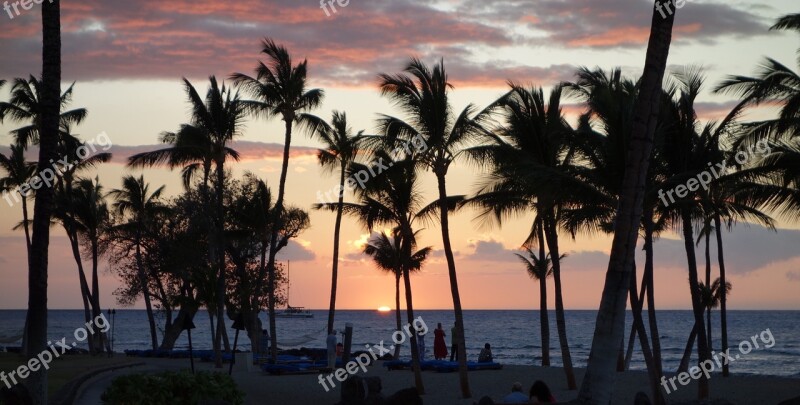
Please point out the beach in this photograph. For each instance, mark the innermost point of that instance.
(443, 388)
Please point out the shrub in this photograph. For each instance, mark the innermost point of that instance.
(170, 388)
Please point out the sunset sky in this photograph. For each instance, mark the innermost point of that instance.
(128, 58)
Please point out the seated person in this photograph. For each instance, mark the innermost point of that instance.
(516, 396)
(486, 354)
(339, 350)
(540, 393)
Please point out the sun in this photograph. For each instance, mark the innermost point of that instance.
(384, 309)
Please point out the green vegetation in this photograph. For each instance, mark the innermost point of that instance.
(171, 388)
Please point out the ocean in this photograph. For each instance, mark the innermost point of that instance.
(513, 334)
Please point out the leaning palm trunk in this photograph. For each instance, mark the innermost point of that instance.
(273, 240)
(85, 294)
(36, 317)
(636, 309)
(335, 267)
(561, 323)
(632, 335)
(145, 291)
(649, 284)
(723, 315)
(544, 319)
(415, 365)
(598, 382)
(451, 269)
(687, 352)
(697, 306)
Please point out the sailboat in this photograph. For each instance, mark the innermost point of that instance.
(290, 311)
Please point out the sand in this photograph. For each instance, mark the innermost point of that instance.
(443, 388)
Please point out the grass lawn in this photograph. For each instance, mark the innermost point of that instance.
(65, 368)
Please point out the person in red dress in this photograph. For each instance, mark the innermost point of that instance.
(439, 345)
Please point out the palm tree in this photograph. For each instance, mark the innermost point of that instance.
(26, 105)
(18, 173)
(598, 381)
(393, 198)
(66, 212)
(540, 268)
(710, 297)
(422, 93)
(91, 214)
(215, 121)
(388, 254)
(532, 169)
(138, 206)
(36, 318)
(278, 89)
(340, 151)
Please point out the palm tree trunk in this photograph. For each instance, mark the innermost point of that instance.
(415, 365)
(697, 306)
(451, 269)
(598, 382)
(398, 316)
(708, 281)
(687, 352)
(36, 317)
(220, 239)
(544, 319)
(723, 314)
(638, 322)
(273, 240)
(335, 270)
(25, 224)
(145, 290)
(97, 311)
(561, 323)
(649, 285)
(632, 335)
(76, 254)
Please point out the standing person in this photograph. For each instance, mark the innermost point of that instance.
(331, 343)
(421, 346)
(439, 345)
(264, 343)
(454, 354)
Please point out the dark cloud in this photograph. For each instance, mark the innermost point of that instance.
(747, 249)
(150, 39)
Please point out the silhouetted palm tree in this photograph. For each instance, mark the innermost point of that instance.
(710, 296)
(340, 151)
(18, 172)
(278, 89)
(540, 268)
(532, 169)
(388, 255)
(215, 121)
(91, 215)
(36, 318)
(138, 206)
(393, 198)
(26, 105)
(598, 382)
(441, 137)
